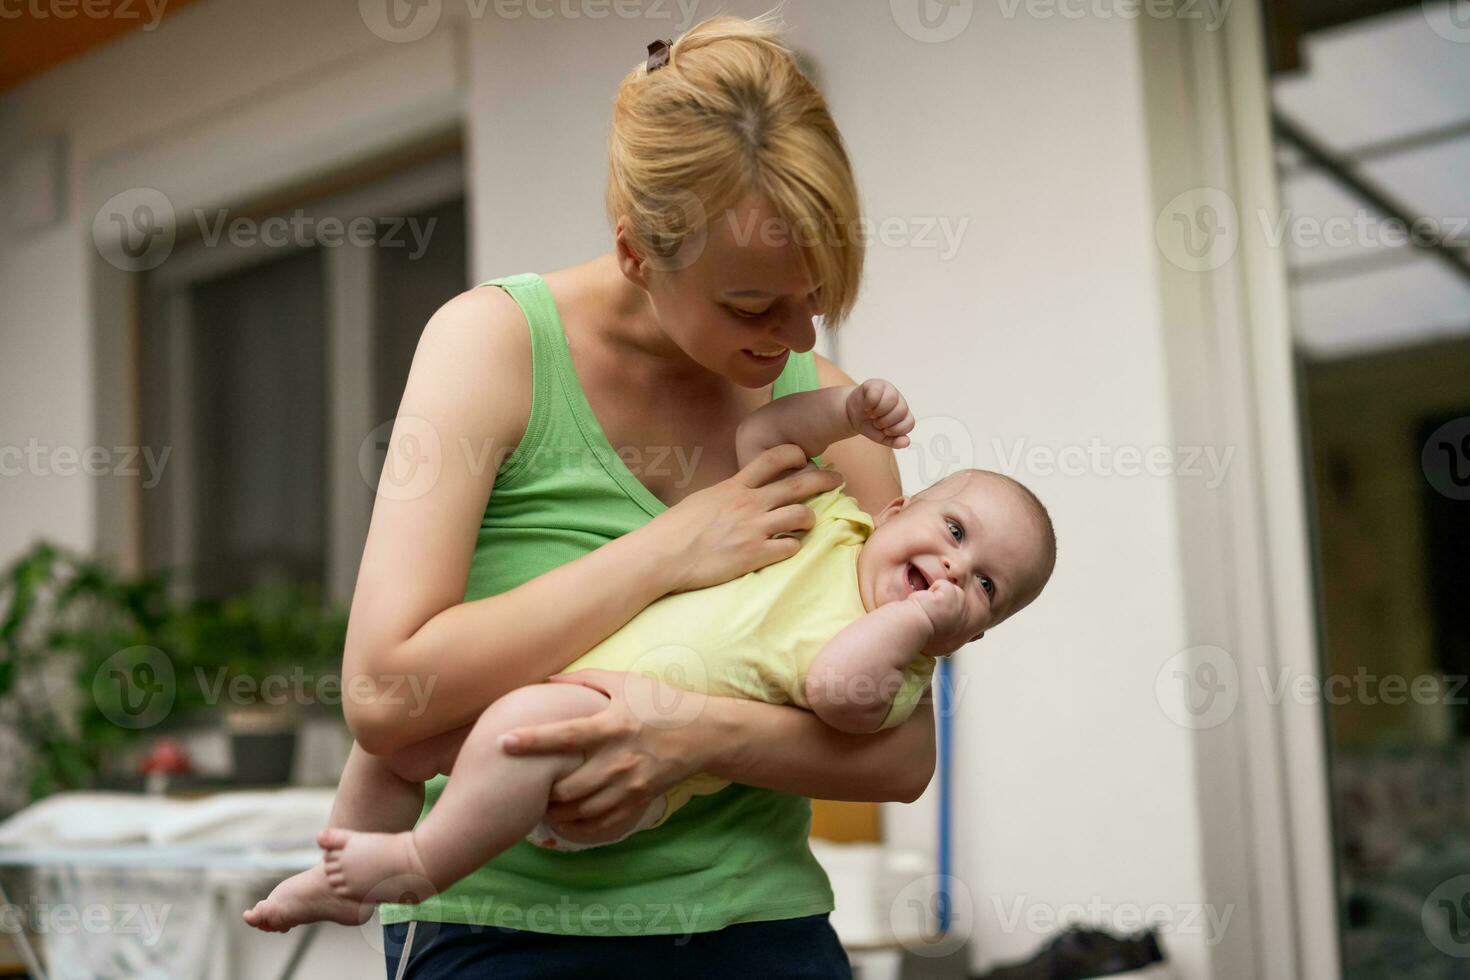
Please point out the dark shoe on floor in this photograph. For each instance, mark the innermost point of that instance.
(1082, 954)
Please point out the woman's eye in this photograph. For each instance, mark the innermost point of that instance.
(748, 314)
(956, 531)
(986, 584)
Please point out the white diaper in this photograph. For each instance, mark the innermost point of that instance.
(543, 836)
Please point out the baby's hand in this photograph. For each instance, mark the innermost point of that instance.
(875, 409)
(944, 604)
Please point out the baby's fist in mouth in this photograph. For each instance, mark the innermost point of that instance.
(944, 603)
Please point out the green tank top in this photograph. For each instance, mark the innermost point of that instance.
(739, 855)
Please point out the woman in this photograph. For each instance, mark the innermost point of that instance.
(578, 432)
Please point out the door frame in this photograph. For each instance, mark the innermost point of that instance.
(1265, 826)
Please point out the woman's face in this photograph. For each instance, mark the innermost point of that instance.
(743, 301)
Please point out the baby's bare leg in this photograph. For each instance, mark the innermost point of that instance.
(386, 793)
(491, 801)
(374, 794)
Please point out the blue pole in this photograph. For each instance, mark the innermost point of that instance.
(942, 706)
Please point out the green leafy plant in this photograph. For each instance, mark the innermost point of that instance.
(74, 635)
(64, 616)
(277, 641)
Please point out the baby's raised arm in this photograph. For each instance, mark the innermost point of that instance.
(853, 681)
(814, 420)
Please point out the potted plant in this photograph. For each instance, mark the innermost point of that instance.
(259, 658)
(89, 658)
(65, 622)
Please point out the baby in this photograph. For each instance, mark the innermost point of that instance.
(847, 627)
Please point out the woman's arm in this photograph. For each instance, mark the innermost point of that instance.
(634, 753)
(411, 641)
(419, 660)
(793, 751)
(773, 746)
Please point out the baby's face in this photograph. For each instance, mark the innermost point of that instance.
(977, 529)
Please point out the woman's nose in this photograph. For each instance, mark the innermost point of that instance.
(797, 331)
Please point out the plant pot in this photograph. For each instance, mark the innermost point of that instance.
(262, 745)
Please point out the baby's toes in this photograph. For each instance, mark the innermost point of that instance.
(331, 839)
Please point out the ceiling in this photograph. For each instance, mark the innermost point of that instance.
(1388, 100)
(39, 36)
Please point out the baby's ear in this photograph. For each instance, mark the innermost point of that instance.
(892, 507)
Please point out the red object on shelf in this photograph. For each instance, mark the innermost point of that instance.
(166, 756)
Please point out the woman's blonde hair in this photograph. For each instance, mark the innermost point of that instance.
(732, 114)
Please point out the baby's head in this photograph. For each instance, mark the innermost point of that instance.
(985, 532)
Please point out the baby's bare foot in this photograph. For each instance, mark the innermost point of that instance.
(303, 898)
(373, 868)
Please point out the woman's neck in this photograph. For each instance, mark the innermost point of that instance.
(609, 310)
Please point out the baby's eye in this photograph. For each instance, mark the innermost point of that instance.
(955, 530)
(986, 584)
(747, 314)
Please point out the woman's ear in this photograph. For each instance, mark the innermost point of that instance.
(629, 261)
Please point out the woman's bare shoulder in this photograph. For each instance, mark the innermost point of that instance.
(476, 351)
(829, 375)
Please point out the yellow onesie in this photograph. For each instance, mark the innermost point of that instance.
(753, 637)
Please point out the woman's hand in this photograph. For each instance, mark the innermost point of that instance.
(719, 533)
(636, 749)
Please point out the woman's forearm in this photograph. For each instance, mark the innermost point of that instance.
(791, 750)
(465, 657)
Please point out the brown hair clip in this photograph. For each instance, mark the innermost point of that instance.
(658, 54)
